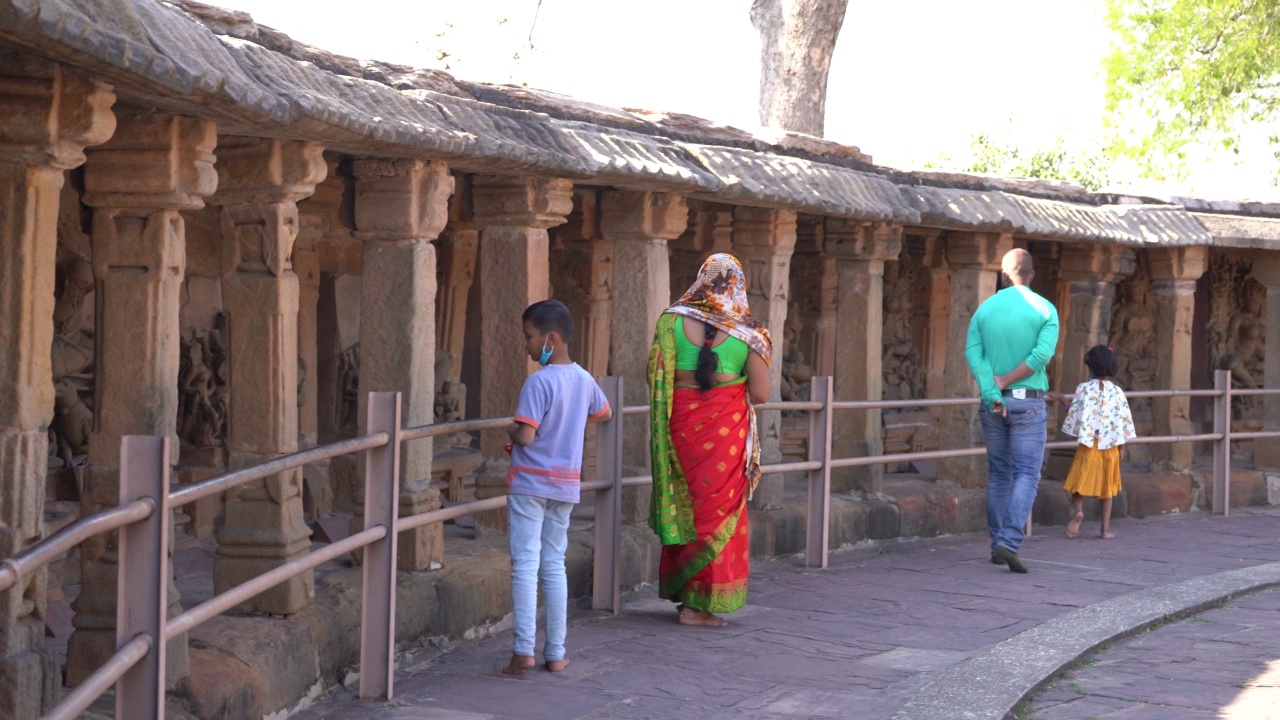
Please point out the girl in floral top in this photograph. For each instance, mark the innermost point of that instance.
(1100, 420)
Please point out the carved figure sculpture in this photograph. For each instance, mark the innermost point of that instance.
(72, 424)
(1133, 335)
(1246, 341)
(348, 387)
(72, 350)
(202, 410)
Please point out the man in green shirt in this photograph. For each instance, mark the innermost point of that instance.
(1012, 337)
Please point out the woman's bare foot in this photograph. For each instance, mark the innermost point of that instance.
(1106, 535)
(689, 616)
(1073, 527)
(556, 665)
(519, 663)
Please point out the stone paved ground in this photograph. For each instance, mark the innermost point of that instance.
(1223, 664)
(853, 641)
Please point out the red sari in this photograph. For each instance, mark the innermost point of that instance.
(709, 433)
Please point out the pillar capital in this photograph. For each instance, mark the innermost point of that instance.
(982, 250)
(1095, 263)
(583, 222)
(51, 113)
(267, 170)
(153, 162)
(1178, 263)
(401, 199)
(764, 228)
(642, 215)
(850, 239)
(521, 201)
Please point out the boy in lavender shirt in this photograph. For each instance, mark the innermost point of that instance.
(546, 469)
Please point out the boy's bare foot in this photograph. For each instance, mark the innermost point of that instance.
(1073, 527)
(1106, 535)
(557, 665)
(689, 616)
(519, 663)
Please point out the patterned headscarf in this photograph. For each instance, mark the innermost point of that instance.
(719, 297)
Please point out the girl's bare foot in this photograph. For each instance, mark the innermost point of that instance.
(1073, 527)
(557, 665)
(1106, 535)
(519, 663)
(689, 616)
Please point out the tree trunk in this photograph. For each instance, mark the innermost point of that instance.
(797, 38)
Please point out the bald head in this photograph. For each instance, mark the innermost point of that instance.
(1017, 265)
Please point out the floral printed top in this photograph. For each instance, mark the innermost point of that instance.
(1099, 410)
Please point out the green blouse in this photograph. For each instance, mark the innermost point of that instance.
(731, 355)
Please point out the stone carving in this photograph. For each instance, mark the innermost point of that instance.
(72, 351)
(796, 373)
(202, 406)
(349, 388)
(1237, 332)
(903, 375)
(1246, 338)
(71, 426)
(1133, 332)
(450, 402)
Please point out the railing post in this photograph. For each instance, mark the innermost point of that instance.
(381, 498)
(607, 553)
(142, 600)
(1222, 446)
(818, 523)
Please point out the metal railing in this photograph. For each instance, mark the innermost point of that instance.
(143, 521)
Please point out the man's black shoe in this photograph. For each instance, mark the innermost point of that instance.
(1010, 558)
(996, 561)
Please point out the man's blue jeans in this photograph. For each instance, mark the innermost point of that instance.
(1015, 452)
(538, 534)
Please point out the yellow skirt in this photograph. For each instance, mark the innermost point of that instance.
(1094, 472)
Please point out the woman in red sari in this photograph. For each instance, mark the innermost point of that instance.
(708, 364)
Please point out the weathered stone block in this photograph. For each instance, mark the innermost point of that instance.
(883, 519)
(848, 522)
(1158, 494)
(1248, 489)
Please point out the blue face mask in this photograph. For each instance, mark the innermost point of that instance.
(545, 357)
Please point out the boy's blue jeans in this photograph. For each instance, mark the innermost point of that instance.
(538, 533)
(1015, 452)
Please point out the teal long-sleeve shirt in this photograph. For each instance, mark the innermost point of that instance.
(1010, 327)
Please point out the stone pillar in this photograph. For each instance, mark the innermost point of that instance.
(860, 251)
(138, 182)
(1174, 271)
(459, 244)
(639, 224)
(323, 226)
(1266, 270)
(975, 267)
(50, 116)
(513, 214)
(934, 258)
(584, 261)
(1087, 274)
(260, 182)
(401, 207)
(811, 315)
(763, 240)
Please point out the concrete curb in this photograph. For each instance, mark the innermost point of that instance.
(992, 685)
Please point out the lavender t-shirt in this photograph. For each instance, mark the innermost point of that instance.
(556, 401)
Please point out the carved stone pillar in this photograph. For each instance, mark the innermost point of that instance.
(50, 116)
(640, 224)
(323, 227)
(763, 240)
(1174, 271)
(513, 214)
(154, 167)
(861, 251)
(1086, 290)
(975, 267)
(459, 244)
(401, 207)
(1266, 270)
(934, 258)
(583, 260)
(260, 182)
(811, 315)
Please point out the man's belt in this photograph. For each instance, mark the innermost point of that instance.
(1031, 394)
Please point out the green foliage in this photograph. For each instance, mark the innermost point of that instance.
(1188, 75)
(989, 155)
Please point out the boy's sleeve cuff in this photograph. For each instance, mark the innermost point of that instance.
(602, 413)
(527, 421)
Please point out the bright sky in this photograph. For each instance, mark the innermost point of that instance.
(910, 79)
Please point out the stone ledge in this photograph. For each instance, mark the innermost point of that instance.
(991, 685)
